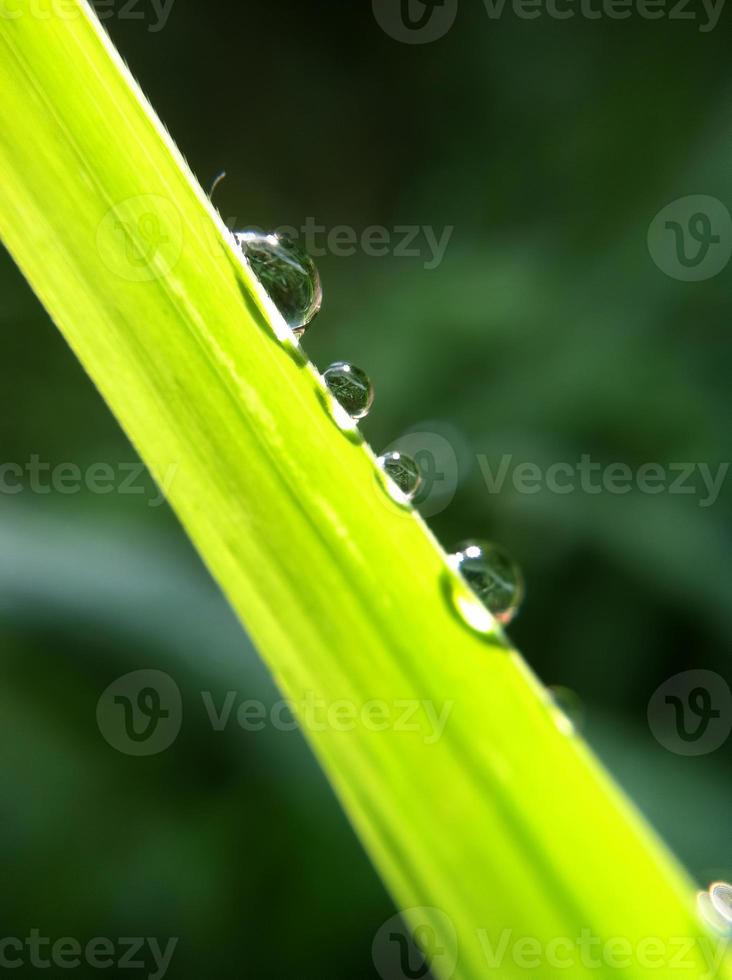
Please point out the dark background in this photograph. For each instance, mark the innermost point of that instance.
(547, 332)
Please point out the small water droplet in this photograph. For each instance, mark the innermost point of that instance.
(709, 915)
(351, 387)
(569, 705)
(493, 575)
(720, 894)
(287, 273)
(404, 472)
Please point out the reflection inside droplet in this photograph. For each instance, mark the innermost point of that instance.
(337, 414)
(709, 915)
(493, 575)
(351, 387)
(403, 473)
(288, 274)
(720, 894)
(468, 607)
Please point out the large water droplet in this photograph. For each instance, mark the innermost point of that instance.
(287, 273)
(493, 575)
(721, 895)
(403, 470)
(351, 387)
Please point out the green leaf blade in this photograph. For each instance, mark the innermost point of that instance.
(504, 821)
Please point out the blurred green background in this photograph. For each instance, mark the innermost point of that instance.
(547, 332)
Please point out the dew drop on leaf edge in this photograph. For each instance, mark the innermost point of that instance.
(403, 471)
(287, 273)
(568, 704)
(493, 576)
(720, 894)
(351, 387)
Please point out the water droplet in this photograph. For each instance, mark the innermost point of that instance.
(466, 604)
(720, 894)
(569, 705)
(287, 273)
(404, 472)
(710, 916)
(493, 575)
(339, 416)
(351, 387)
